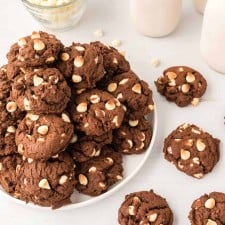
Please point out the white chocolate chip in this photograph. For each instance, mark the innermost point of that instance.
(96, 60)
(131, 210)
(115, 61)
(116, 43)
(115, 121)
(169, 150)
(83, 179)
(171, 75)
(133, 123)
(210, 203)
(25, 181)
(11, 129)
(0, 166)
(185, 88)
(190, 78)
(55, 156)
(44, 184)
(11, 106)
(101, 185)
(94, 99)
(93, 169)
(109, 160)
(98, 33)
(80, 48)
(43, 129)
(196, 160)
(30, 160)
(151, 107)
(137, 88)
(189, 142)
(82, 107)
(32, 117)
(118, 177)
(200, 145)
(198, 175)
(180, 165)
(76, 78)
(153, 217)
(22, 42)
(79, 61)
(172, 83)
(37, 80)
(130, 142)
(110, 105)
(195, 101)
(50, 59)
(20, 148)
(26, 104)
(184, 154)
(99, 113)
(142, 138)
(195, 131)
(63, 179)
(136, 199)
(38, 45)
(35, 35)
(123, 81)
(211, 222)
(64, 56)
(65, 118)
(74, 139)
(155, 62)
(119, 96)
(112, 87)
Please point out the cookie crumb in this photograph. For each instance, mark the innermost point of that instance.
(98, 33)
(116, 43)
(155, 62)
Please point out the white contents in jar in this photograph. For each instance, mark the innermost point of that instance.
(50, 2)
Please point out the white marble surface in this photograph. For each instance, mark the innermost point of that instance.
(180, 48)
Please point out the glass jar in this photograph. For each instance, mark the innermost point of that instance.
(59, 17)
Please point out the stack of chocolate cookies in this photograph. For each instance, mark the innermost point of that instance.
(68, 114)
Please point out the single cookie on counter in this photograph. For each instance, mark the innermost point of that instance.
(114, 62)
(98, 174)
(82, 64)
(46, 183)
(96, 112)
(8, 172)
(133, 137)
(134, 93)
(43, 136)
(182, 85)
(38, 49)
(41, 91)
(192, 150)
(209, 209)
(145, 207)
(83, 147)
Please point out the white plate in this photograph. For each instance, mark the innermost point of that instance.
(131, 163)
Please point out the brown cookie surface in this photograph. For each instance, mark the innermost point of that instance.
(5, 84)
(85, 147)
(192, 150)
(145, 207)
(98, 174)
(38, 49)
(209, 209)
(132, 137)
(182, 85)
(47, 183)
(8, 172)
(41, 91)
(134, 93)
(83, 64)
(43, 136)
(96, 112)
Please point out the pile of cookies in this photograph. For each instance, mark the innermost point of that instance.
(68, 114)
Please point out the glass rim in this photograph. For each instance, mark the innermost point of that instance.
(47, 7)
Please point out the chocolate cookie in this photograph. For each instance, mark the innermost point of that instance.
(145, 208)
(5, 84)
(83, 64)
(85, 147)
(96, 112)
(132, 137)
(8, 168)
(38, 49)
(192, 150)
(98, 174)
(41, 91)
(47, 183)
(43, 136)
(134, 93)
(208, 210)
(182, 85)
(114, 62)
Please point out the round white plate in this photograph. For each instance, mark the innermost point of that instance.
(131, 163)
